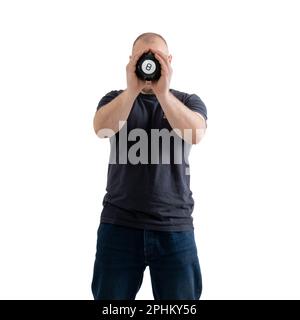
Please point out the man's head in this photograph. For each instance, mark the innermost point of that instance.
(153, 41)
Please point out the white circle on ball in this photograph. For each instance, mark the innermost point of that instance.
(148, 66)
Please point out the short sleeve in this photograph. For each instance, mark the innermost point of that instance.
(195, 103)
(108, 97)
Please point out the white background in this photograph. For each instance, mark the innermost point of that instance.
(58, 58)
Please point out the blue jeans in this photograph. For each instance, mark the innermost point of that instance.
(123, 253)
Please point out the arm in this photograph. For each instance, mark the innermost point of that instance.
(181, 117)
(109, 115)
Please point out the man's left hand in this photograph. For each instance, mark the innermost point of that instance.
(161, 86)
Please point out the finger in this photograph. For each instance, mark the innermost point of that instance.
(132, 62)
(164, 65)
(135, 58)
(139, 53)
(162, 54)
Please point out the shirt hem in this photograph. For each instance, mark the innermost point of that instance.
(148, 227)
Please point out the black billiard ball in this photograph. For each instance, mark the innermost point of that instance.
(148, 67)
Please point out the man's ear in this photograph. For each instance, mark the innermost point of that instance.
(170, 58)
(129, 57)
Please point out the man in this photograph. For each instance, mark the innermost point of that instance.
(146, 218)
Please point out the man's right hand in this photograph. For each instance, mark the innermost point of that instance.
(134, 84)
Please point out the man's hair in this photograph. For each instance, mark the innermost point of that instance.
(148, 37)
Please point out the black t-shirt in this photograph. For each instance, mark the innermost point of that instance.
(153, 196)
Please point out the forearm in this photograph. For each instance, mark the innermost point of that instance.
(181, 118)
(109, 115)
